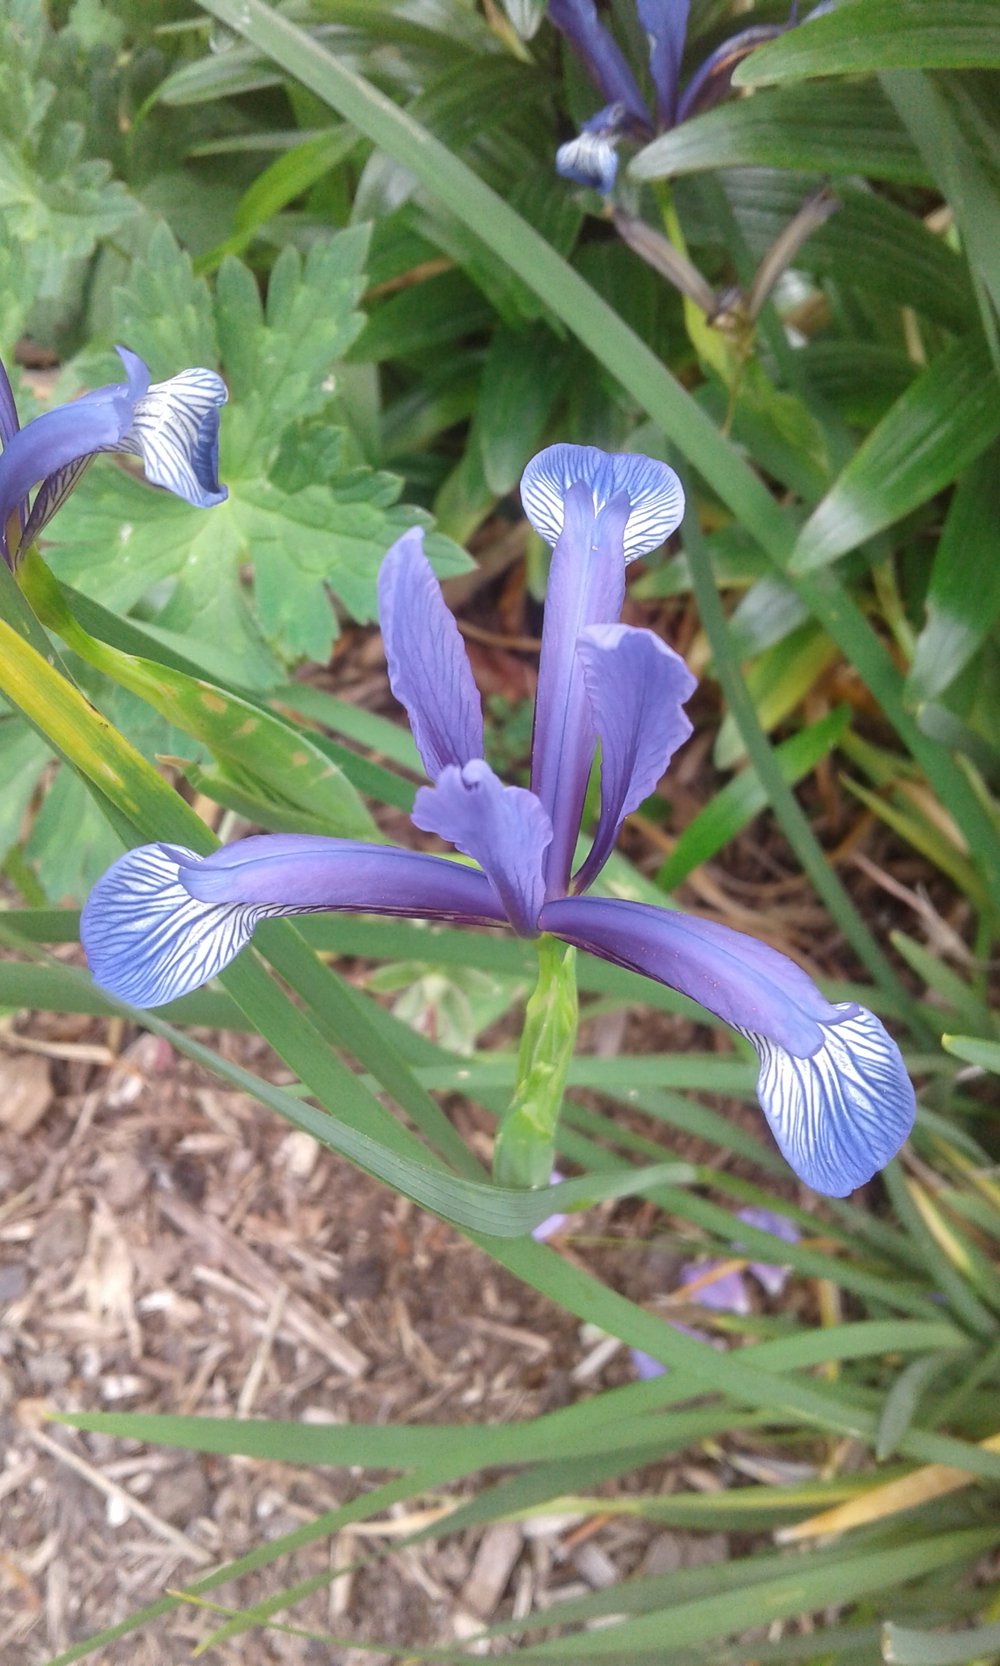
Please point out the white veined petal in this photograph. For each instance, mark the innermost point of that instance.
(589, 159)
(175, 431)
(655, 494)
(148, 941)
(841, 1114)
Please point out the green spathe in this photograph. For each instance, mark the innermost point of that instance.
(525, 1144)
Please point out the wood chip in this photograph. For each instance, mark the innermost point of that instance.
(25, 1091)
(499, 1549)
(299, 1317)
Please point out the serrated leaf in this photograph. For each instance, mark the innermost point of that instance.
(163, 311)
(880, 34)
(835, 127)
(963, 597)
(279, 359)
(943, 421)
(56, 203)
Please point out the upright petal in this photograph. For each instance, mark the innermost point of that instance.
(711, 81)
(504, 829)
(665, 23)
(832, 1083)
(162, 921)
(586, 587)
(429, 670)
(175, 432)
(597, 51)
(654, 493)
(636, 687)
(597, 509)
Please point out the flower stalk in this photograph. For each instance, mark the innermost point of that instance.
(524, 1150)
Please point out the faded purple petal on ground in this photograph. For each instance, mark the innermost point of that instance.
(769, 1276)
(429, 670)
(725, 1293)
(552, 1223)
(636, 687)
(504, 829)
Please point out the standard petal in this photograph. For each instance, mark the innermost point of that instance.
(175, 432)
(597, 51)
(654, 493)
(745, 983)
(586, 587)
(636, 687)
(665, 23)
(429, 670)
(840, 1115)
(504, 829)
(163, 921)
(711, 81)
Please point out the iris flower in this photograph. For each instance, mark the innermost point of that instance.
(163, 920)
(172, 427)
(590, 158)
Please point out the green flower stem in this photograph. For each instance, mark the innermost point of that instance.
(526, 1138)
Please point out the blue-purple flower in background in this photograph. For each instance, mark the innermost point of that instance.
(590, 159)
(172, 427)
(722, 1287)
(164, 920)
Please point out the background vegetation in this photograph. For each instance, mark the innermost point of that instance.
(350, 208)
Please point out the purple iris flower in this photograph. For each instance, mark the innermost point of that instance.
(163, 920)
(590, 158)
(172, 427)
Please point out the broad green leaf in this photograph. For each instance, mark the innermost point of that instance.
(975, 1050)
(835, 127)
(973, 1646)
(522, 379)
(963, 596)
(953, 122)
(942, 423)
(744, 797)
(256, 747)
(22, 755)
(880, 34)
(777, 680)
